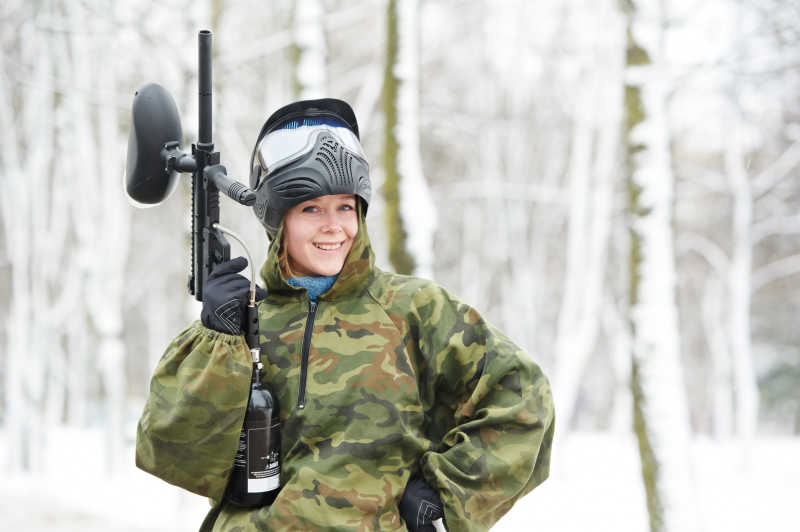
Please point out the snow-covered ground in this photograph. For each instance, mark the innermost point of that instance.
(594, 486)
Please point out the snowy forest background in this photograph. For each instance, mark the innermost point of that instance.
(612, 183)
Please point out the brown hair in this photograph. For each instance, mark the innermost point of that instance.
(283, 260)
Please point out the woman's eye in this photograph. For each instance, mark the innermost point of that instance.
(310, 208)
(347, 207)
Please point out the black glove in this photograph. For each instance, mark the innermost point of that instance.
(225, 297)
(420, 505)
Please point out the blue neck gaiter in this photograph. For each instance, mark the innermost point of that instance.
(316, 286)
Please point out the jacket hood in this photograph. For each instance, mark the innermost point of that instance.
(357, 269)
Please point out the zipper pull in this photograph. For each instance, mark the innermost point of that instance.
(312, 310)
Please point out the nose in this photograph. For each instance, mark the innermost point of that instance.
(331, 223)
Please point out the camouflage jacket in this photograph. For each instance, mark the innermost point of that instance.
(400, 377)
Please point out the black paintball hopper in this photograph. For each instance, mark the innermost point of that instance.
(154, 138)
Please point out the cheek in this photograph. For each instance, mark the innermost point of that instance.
(295, 237)
(351, 226)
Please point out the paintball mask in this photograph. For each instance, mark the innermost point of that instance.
(306, 150)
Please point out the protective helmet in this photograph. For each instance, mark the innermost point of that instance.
(305, 150)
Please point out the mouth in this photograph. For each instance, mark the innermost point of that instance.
(328, 246)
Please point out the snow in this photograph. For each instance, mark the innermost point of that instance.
(74, 492)
(310, 38)
(654, 312)
(594, 485)
(416, 203)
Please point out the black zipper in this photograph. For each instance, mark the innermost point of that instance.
(312, 311)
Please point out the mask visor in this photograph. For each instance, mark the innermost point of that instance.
(283, 146)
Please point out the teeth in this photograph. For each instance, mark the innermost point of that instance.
(329, 247)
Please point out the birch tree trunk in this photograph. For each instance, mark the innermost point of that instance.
(308, 50)
(617, 330)
(740, 285)
(410, 215)
(15, 196)
(661, 419)
(713, 316)
(571, 340)
(594, 156)
(58, 282)
(78, 371)
(114, 238)
(25, 192)
(716, 329)
(102, 223)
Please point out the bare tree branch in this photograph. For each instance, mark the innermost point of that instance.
(709, 250)
(777, 171)
(509, 190)
(776, 270)
(778, 225)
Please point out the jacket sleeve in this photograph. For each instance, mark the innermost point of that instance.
(489, 410)
(189, 431)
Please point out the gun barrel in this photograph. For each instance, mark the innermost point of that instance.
(204, 81)
(236, 191)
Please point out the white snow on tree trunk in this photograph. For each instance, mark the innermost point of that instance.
(572, 340)
(309, 37)
(740, 285)
(25, 192)
(716, 330)
(114, 237)
(619, 333)
(416, 204)
(593, 159)
(654, 313)
(101, 220)
(714, 325)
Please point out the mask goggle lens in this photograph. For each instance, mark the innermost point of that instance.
(282, 146)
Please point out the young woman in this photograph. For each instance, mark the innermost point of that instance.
(398, 402)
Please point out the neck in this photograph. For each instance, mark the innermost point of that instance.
(315, 286)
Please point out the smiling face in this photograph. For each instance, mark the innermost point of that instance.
(319, 233)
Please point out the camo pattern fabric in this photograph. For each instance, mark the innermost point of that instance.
(198, 396)
(402, 377)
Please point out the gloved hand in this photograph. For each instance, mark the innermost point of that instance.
(225, 297)
(420, 505)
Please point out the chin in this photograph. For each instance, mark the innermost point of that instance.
(322, 269)
(326, 272)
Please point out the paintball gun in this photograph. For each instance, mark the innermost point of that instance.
(155, 158)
